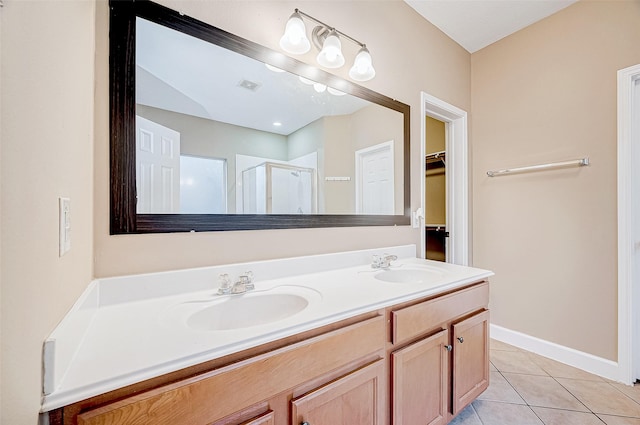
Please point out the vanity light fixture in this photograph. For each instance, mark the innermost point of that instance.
(327, 41)
(295, 39)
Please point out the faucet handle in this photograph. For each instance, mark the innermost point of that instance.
(385, 260)
(247, 276)
(246, 280)
(225, 283)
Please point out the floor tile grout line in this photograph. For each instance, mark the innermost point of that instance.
(537, 416)
(514, 389)
(612, 386)
(476, 412)
(572, 411)
(574, 396)
(555, 378)
(622, 392)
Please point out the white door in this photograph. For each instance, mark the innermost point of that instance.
(374, 179)
(157, 168)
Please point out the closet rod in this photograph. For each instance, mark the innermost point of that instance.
(551, 165)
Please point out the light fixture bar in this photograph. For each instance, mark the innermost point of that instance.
(329, 27)
(327, 40)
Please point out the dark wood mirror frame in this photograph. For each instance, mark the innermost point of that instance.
(124, 218)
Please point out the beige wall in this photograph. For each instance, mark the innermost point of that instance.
(338, 145)
(375, 125)
(47, 80)
(545, 94)
(441, 68)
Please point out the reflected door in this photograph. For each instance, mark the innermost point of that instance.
(157, 168)
(374, 179)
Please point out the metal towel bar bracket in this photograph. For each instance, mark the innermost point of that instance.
(552, 165)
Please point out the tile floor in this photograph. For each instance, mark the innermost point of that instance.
(528, 389)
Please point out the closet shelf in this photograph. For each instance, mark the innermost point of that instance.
(435, 160)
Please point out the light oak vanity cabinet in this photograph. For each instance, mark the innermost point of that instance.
(419, 362)
(440, 356)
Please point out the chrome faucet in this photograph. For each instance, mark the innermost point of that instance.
(382, 261)
(242, 285)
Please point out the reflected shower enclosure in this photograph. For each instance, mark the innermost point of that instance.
(272, 188)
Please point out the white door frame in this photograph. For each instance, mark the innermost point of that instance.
(628, 223)
(457, 176)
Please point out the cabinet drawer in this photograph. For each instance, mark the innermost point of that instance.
(419, 319)
(213, 395)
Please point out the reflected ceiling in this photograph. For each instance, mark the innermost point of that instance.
(175, 73)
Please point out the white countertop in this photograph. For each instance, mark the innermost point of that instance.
(127, 329)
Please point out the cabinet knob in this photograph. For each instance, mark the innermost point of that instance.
(448, 347)
(461, 340)
(305, 423)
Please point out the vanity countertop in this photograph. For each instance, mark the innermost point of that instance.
(128, 329)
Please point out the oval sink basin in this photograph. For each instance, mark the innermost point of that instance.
(247, 310)
(232, 312)
(408, 275)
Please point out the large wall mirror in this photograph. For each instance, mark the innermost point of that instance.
(213, 132)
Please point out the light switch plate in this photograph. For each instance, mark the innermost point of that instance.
(64, 205)
(417, 216)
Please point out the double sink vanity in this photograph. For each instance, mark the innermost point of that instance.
(324, 339)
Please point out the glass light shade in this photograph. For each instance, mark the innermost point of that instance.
(335, 92)
(331, 54)
(295, 39)
(319, 87)
(273, 68)
(306, 80)
(362, 69)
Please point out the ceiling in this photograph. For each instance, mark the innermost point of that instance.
(475, 24)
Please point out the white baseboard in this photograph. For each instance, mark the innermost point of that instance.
(581, 360)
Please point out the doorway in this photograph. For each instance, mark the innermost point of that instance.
(435, 195)
(457, 249)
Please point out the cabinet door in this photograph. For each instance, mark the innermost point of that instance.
(470, 359)
(355, 399)
(420, 381)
